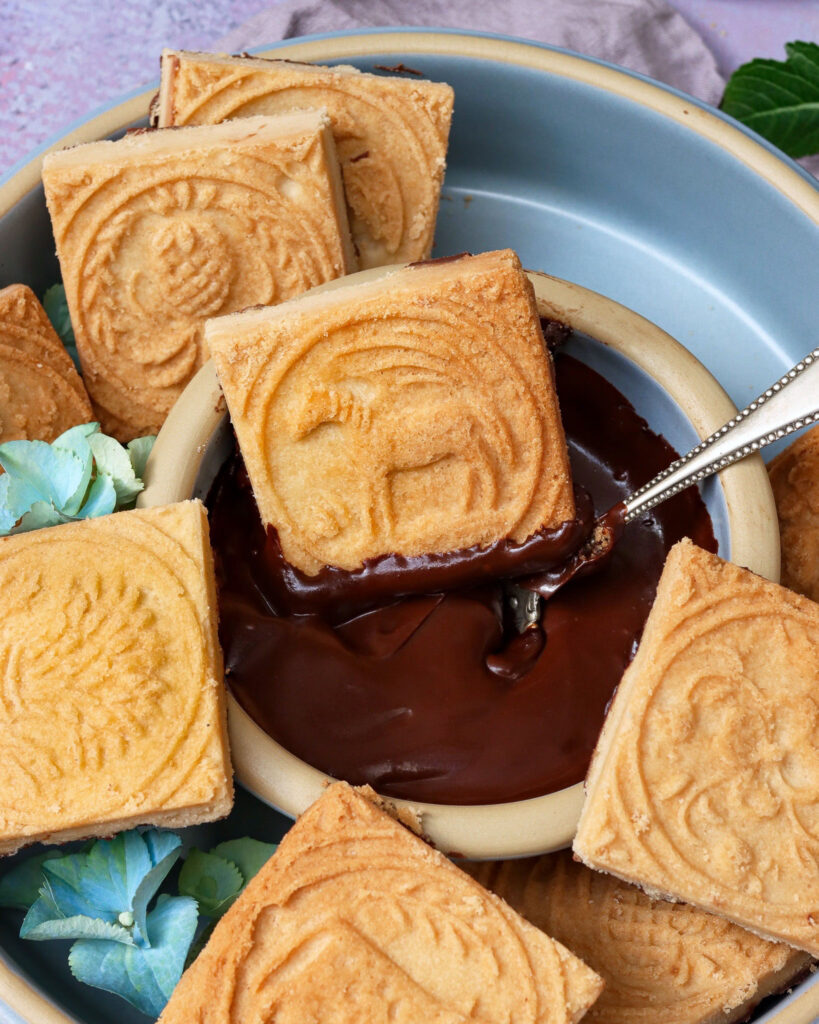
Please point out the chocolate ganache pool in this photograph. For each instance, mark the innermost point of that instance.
(404, 696)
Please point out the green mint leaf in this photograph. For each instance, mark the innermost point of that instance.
(56, 306)
(211, 880)
(114, 462)
(138, 451)
(779, 99)
(145, 977)
(20, 887)
(247, 854)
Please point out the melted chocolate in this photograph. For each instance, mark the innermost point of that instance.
(432, 260)
(586, 559)
(433, 697)
(398, 68)
(339, 594)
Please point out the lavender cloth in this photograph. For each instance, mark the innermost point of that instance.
(648, 36)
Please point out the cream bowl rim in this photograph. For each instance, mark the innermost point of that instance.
(522, 827)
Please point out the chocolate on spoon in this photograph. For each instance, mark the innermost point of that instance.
(789, 404)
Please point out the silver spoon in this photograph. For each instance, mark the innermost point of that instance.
(788, 405)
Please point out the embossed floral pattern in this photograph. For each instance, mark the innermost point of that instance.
(710, 789)
(195, 260)
(760, 777)
(661, 961)
(391, 135)
(107, 673)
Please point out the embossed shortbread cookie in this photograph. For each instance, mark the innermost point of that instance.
(158, 231)
(25, 325)
(705, 782)
(391, 135)
(355, 920)
(41, 393)
(112, 710)
(412, 412)
(794, 475)
(660, 961)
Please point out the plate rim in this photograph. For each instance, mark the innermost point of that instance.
(740, 142)
(26, 998)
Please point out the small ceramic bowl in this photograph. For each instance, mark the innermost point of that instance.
(669, 388)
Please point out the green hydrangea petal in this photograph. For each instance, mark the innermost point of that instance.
(138, 451)
(102, 499)
(113, 461)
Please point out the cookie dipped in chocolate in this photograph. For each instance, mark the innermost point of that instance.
(339, 594)
(401, 696)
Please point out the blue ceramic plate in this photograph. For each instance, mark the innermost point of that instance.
(591, 174)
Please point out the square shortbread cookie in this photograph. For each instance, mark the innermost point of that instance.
(158, 231)
(660, 961)
(412, 412)
(41, 394)
(391, 134)
(355, 920)
(112, 704)
(704, 786)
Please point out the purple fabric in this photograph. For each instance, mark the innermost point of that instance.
(648, 36)
(58, 61)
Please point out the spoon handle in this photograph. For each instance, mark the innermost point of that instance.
(789, 404)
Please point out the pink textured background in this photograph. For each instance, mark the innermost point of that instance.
(60, 60)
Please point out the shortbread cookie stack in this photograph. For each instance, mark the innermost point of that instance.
(391, 134)
(160, 230)
(41, 394)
